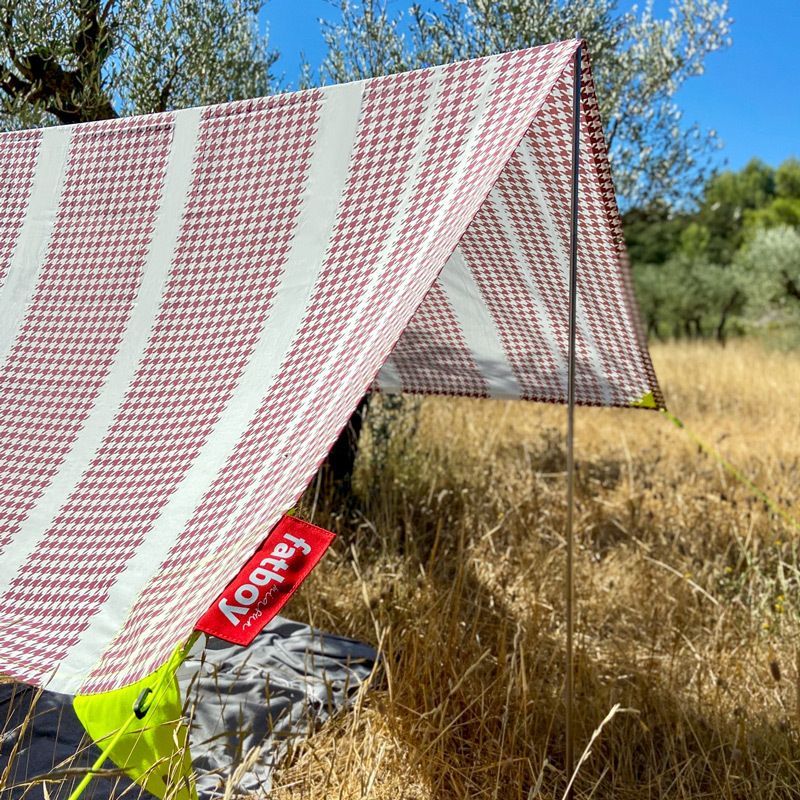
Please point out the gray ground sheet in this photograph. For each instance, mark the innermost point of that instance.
(245, 704)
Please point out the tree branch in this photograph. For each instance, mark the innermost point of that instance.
(37, 77)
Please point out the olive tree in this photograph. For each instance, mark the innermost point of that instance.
(64, 61)
(639, 62)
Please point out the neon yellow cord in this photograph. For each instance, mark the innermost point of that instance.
(735, 472)
(102, 758)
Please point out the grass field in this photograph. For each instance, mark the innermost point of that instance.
(687, 591)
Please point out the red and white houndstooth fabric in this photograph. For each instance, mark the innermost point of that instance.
(192, 304)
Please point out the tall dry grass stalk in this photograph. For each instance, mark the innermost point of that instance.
(687, 592)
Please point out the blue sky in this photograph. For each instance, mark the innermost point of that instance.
(749, 94)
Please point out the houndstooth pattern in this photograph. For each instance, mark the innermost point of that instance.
(433, 352)
(17, 165)
(472, 155)
(60, 357)
(352, 254)
(527, 245)
(219, 290)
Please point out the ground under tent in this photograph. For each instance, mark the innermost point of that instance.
(194, 302)
(248, 707)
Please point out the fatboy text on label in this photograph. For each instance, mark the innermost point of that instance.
(266, 582)
(271, 569)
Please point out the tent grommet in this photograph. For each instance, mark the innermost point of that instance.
(139, 707)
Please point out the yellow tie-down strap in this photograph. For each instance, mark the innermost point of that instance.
(140, 728)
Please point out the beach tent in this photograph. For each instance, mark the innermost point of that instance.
(193, 303)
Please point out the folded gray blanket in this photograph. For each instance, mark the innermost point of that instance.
(240, 700)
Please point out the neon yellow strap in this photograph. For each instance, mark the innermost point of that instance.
(150, 698)
(645, 401)
(102, 758)
(733, 471)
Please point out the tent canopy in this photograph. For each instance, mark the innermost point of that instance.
(193, 303)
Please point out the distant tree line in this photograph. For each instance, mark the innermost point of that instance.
(732, 265)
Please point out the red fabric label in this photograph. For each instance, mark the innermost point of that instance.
(266, 582)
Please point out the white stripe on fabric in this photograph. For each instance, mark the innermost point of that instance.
(478, 326)
(327, 177)
(167, 225)
(549, 334)
(389, 380)
(323, 185)
(561, 249)
(29, 253)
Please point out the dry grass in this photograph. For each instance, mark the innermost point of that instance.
(687, 595)
(688, 674)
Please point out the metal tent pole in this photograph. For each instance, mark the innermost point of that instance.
(573, 286)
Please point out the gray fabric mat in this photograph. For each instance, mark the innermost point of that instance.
(263, 698)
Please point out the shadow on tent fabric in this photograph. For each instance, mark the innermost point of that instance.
(266, 696)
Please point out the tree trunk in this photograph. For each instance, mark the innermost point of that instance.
(726, 310)
(336, 471)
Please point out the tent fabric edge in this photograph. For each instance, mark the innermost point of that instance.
(597, 142)
(542, 101)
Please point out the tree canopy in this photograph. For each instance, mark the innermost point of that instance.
(80, 60)
(639, 62)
